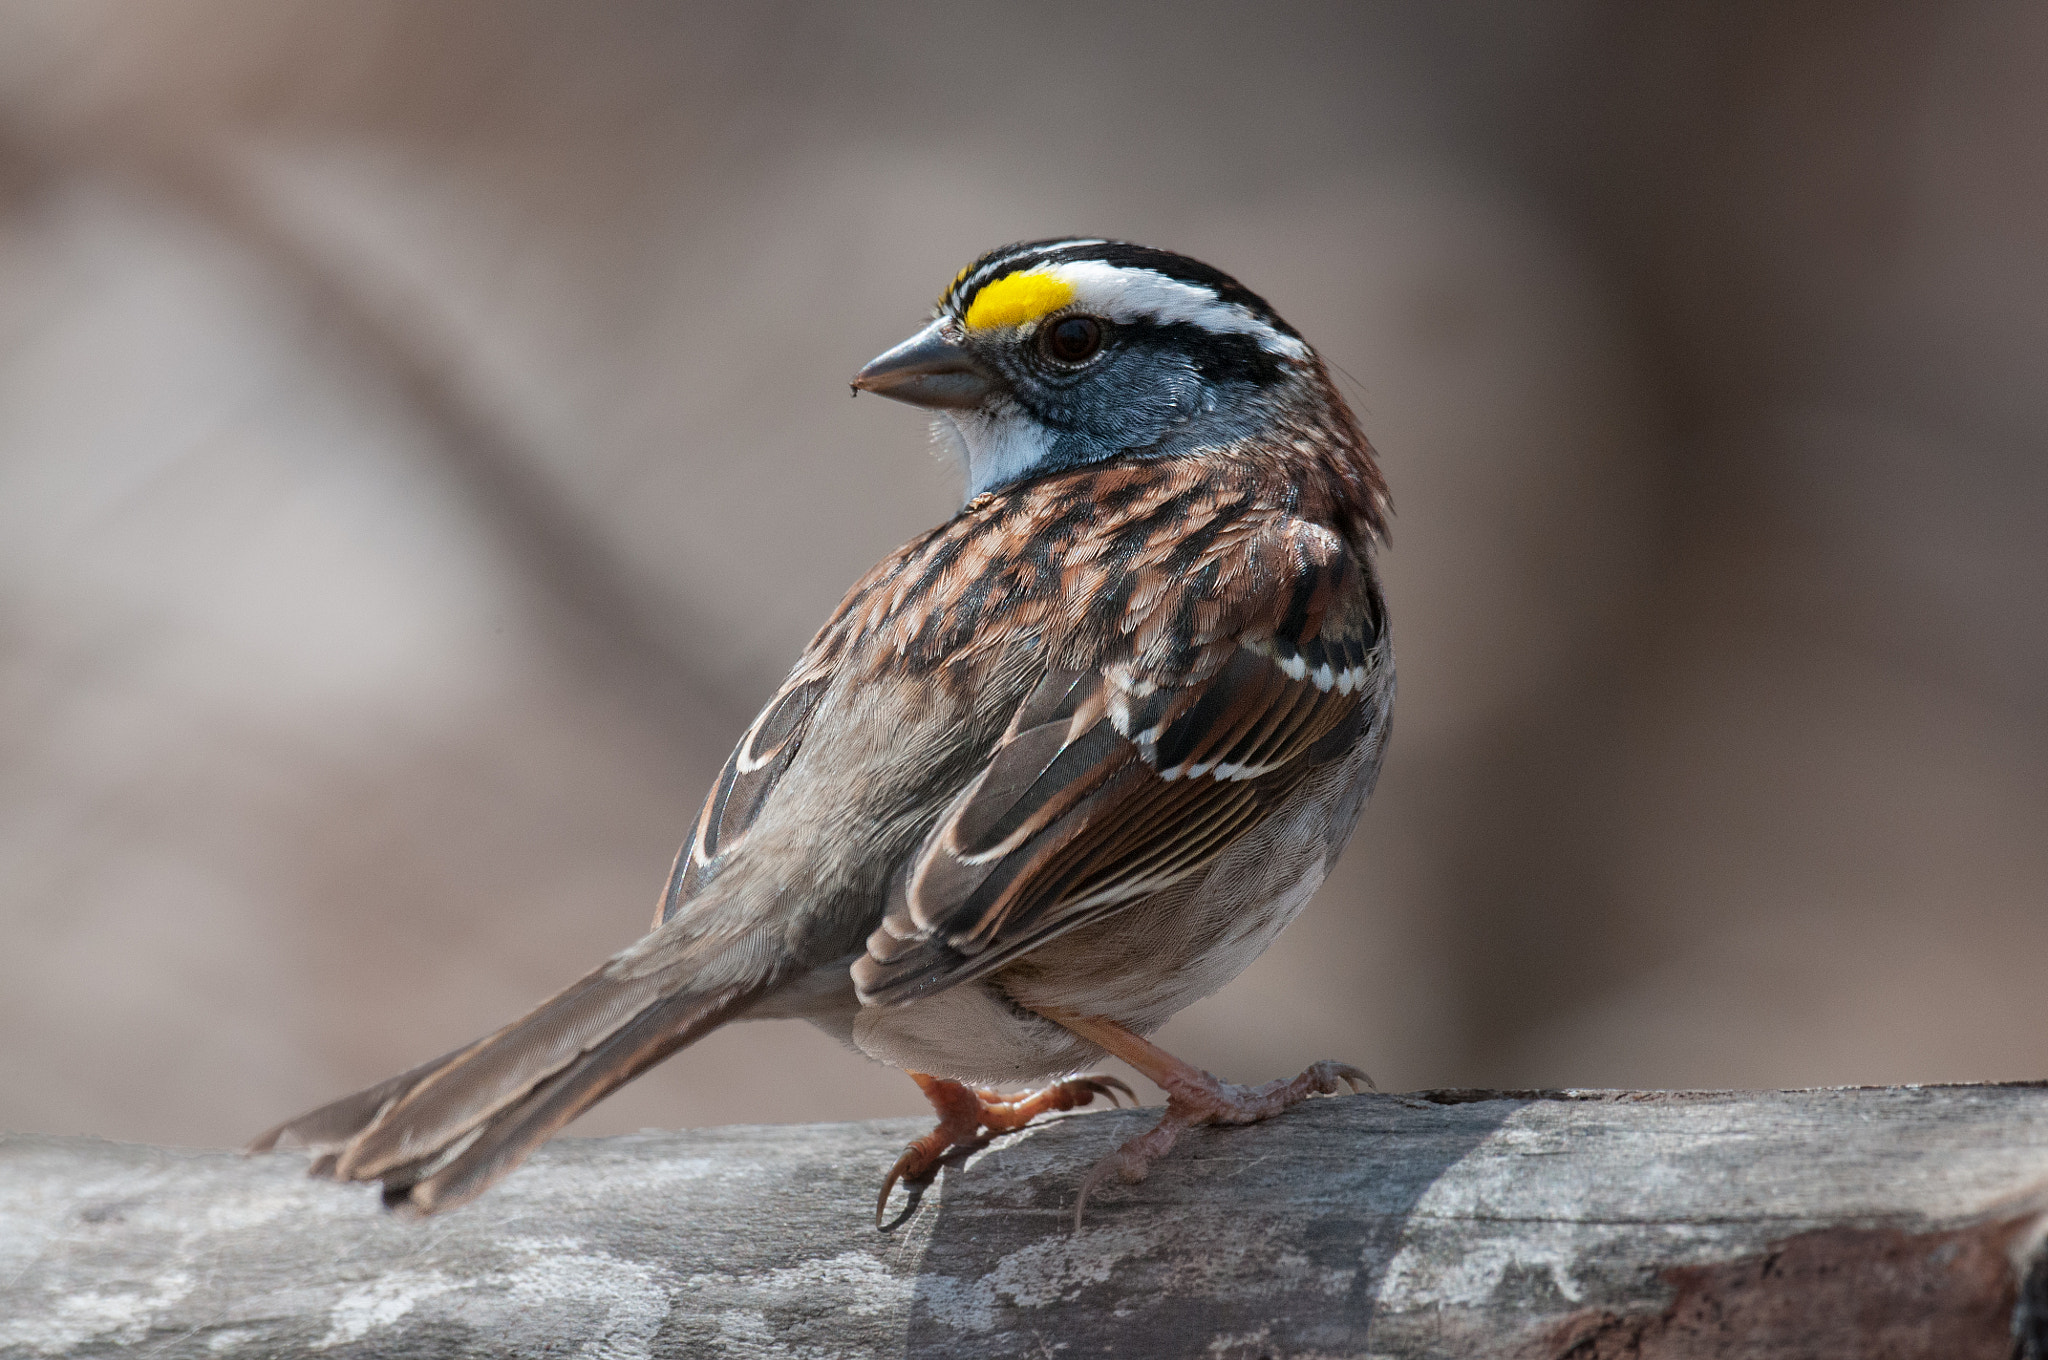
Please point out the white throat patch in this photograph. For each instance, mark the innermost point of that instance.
(995, 447)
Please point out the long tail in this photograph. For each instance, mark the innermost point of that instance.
(439, 1135)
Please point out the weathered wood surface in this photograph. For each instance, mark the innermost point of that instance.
(1899, 1222)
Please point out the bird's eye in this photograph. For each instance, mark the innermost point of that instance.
(1073, 339)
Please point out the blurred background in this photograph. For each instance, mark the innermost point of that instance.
(424, 442)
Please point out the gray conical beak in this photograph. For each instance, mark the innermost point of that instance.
(928, 369)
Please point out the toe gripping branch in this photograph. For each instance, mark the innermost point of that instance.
(1192, 1096)
(1195, 1097)
(969, 1117)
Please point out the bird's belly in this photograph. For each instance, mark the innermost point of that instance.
(971, 1033)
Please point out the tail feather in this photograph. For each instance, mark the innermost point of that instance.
(498, 1072)
(441, 1133)
(333, 1124)
(507, 1140)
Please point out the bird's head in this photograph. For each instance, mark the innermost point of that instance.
(1057, 354)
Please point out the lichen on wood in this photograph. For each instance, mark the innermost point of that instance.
(1898, 1222)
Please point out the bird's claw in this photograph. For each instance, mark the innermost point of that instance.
(917, 1163)
(1334, 1072)
(969, 1118)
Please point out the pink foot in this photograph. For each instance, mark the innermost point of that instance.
(969, 1117)
(1195, 1097)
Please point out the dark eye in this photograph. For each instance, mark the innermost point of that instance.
(1073, 339)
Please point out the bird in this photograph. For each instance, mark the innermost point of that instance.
(1051, 772)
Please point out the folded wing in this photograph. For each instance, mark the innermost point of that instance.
(1117, 781)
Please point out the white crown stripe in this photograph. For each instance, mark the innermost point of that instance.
(1124, 293)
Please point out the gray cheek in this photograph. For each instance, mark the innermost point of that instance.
(1133, 401)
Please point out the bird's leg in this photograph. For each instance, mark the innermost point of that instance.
(1192, 1096)
(969, 1116)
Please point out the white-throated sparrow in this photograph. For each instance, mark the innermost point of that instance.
(1052, 771)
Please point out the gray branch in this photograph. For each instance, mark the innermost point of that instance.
(1885, 1222)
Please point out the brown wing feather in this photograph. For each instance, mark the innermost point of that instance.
(1112, 785)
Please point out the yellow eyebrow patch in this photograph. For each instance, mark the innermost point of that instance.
(1015, 299)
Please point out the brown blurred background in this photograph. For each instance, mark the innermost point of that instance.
(423, 441)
